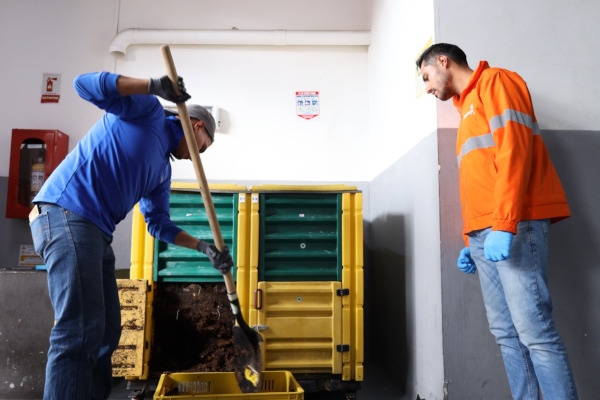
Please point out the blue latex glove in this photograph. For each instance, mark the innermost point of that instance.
(465, 262)
(497, 245)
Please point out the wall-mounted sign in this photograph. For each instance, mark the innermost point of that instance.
(50, 88)
(28, 257)
(307, 104)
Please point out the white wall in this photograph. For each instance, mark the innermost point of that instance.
(263, 138)
(244, 14)
(255, 88)
(404, 187)
(552, 44)
(63, 36)
(399, 120)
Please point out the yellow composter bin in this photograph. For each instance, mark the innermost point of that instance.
(306, 271)
(299, 275)
(132, 357)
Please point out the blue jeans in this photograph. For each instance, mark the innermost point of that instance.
(84, 294)
(519, 312)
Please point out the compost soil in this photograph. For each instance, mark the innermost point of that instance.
(193, 328)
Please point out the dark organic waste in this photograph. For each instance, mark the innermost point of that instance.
(193, 329)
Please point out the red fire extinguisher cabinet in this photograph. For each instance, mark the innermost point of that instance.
(34, 154)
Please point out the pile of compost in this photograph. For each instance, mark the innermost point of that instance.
(193, 328)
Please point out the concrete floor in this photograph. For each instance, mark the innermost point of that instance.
(376, 386)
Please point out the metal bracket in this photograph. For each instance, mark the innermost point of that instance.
(343, 292)
(260, 328)
(343, 348)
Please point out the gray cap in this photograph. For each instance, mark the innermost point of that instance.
(202, 114)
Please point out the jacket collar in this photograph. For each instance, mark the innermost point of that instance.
(458, 100)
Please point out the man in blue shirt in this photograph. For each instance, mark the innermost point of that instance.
(123, 159)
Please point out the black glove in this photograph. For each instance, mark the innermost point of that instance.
(162, 87)
(221, 261)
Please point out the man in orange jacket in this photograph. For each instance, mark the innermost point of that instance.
(510, 195)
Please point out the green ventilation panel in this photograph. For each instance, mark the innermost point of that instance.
(178, 264)
(300, 237)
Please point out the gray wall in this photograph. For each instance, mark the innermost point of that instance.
(13, 231)
(575, 243)
(472, 361)
(402, 299)
(24, 328)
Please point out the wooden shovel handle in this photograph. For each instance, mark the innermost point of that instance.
(195, 156)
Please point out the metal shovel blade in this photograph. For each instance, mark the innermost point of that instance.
(247, 365)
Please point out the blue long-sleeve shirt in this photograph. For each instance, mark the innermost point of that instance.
(122, 160)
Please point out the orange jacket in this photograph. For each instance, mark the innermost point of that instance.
(506, 175)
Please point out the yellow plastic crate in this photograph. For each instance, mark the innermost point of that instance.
(276, 385)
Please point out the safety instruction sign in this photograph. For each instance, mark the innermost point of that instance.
(50, 88)
(307, 104)
(28, 257)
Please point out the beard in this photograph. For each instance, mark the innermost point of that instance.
(444, 95)
(444, 83)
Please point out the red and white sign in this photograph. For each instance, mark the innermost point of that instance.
(307, 104)
(51, 88)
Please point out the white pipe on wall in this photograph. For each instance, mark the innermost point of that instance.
(128, 37)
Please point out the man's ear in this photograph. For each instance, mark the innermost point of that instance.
(443, 61)
(198, 122)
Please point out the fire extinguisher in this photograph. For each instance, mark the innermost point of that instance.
(50, 84)
(38, 170)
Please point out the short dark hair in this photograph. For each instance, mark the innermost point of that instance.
(451, 51)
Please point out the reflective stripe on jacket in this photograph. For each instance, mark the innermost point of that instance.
(506, 175)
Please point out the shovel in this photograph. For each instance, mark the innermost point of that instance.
(246, 342)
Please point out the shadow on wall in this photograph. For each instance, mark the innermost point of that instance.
(476, 370)
(574, 276)
(385, 300)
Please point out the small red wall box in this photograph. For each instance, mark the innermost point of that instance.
(34, 154)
